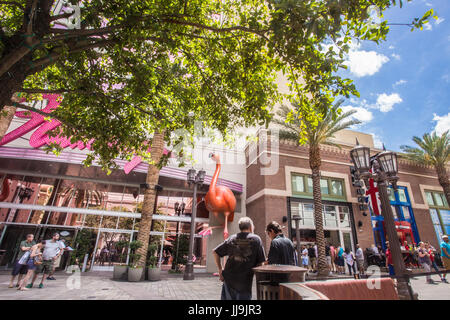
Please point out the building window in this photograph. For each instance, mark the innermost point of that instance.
(439, 212)
(298, 184)
(331, 188)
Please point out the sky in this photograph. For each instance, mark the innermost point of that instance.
(404, 81)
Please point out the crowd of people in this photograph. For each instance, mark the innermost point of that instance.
(245, 250)
(34, 259)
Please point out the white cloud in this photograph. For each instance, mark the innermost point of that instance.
(386, 102)
(391, 47)
(395, 56)
(377, 142)
(362, 114)
(442, 123)
(428, 26)
(439, 20)
(365, 63)
(400, 82)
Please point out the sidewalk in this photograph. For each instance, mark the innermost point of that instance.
(100, 286)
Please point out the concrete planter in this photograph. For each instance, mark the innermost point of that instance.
(135, 274)
(120, 272)
(154, 274)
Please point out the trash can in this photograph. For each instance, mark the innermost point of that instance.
(268, 278)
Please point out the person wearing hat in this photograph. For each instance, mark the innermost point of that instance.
(445, 255)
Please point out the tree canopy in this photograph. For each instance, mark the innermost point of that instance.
(138, 67)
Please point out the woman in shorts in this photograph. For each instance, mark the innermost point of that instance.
(35, 258)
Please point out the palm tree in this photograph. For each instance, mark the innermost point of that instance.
(316, 134)
(433, 150)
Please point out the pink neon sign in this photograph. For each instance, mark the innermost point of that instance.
(40, 136)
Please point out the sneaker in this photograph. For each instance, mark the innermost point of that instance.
(50, 278)
(29, 286)
(41, 286)
(444, 280)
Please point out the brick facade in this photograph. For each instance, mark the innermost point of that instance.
(267, 195)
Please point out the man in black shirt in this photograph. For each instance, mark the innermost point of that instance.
(245, 251)
(312, 258)
(281, 248)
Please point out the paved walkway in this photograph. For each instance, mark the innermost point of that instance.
(100, 286)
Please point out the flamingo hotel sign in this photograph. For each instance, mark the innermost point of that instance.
(42, 127)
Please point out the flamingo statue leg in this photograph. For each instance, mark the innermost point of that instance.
(225, 227)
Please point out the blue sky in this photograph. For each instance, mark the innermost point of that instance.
(405, 81)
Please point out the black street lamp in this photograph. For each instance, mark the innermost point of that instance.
(383, 169)
(297, 219)
(195, 179)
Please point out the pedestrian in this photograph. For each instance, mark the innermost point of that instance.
(34, 259)
(333, 258)
(312, 258)
(340, 260)
(305, 257)
(52, 251)
(425, 261)
(431, 252)
(445, 254)
(282, 249)
(328, 257)
(350, 260)
(21, 269)
(389, 263)
(245, 251)
(359, 259)
(57, 262)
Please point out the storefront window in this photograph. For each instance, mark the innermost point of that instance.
(405, 211)
(330, 216)
(344, 220)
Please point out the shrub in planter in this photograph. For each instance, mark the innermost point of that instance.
(120, 270)
(154, 271)
(134, 271)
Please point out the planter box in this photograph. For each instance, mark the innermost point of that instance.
(154, 274)
(120, 272)
(135, 274)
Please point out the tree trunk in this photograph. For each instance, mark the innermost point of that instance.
(314, 162)
(443, 181)
(5, 121)
(145, 224)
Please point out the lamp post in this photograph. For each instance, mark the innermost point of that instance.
(297, 219)
(195, 179)
(383, 169)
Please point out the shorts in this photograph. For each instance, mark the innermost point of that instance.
(360, 263)
(446, 263)
(19, 268)
(328, 260)
(46, 267)
(31, 265)
(340, 261)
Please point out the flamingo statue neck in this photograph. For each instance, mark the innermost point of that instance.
(212, 186)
